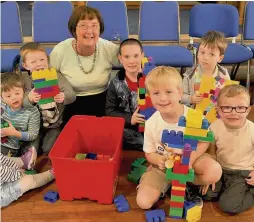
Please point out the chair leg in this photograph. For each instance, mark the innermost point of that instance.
(234, 71)
(248, 76)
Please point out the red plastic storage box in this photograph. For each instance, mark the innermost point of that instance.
(92, 179)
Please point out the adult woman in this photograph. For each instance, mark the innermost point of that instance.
(86, 62)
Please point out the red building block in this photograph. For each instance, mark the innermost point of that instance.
(176, 204)
(178, 193)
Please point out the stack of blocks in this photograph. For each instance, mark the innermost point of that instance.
(195, 129)
(46, 84)
(209, 88)
(144, 101)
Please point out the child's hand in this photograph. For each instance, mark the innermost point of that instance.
(250, 179)
(203, 189)
(8, 131)
(196, 98)
(137, 118)
(161, 162)
(59, 98)
(33, 96)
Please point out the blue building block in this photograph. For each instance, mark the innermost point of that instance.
(51, 196)
(148, 112)
(205, 124)
(155, 216)
(121, 203)
(91, 156)
(173, 139)
(182, 121)
(185, 160)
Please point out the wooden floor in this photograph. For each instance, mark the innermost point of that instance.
(31, 207)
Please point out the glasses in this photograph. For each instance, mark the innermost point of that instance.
(86, 27)
(238, 109)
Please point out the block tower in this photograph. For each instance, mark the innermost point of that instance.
(144, 101)
(195, 129)
(46, 83)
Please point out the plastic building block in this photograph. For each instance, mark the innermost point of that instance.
(148, 112)
(138, 162)
(193, 214)
(80, 156)
(185, 161)
(182, 121)
(205, 124)
(208, 138)
(30, 172)
(176, 204)
(91, 156)
(194, 118)
(155, 216)
(51, 196)
(45, 101)
(195, 132)
(172, 139)
(176, 212)
(183, 178)
(121, 203)
(136, 173)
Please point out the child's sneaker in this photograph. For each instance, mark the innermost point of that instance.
(29, 158)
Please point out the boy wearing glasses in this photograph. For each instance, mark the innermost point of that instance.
(234, 150)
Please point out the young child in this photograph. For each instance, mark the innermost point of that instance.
(24, 123)
(164, 85)
(234, 150)
(211, 52)
(35, 58)
(14, 183)
(122, 95)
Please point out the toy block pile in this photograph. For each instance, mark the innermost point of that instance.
(209, 88)
(144, 101)
(4, 124)
(91, 156)
(195, 129)
(138, 169)
(46, 84)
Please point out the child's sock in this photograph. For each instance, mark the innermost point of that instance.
(29, 182)
(29, 158)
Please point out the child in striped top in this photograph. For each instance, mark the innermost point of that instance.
(24, 123)
(14, 183)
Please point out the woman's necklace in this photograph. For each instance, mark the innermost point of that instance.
(80, 64)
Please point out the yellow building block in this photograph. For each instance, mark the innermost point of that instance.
(211, 115)
(194, 214)
(203, 104)
(142, 102)
(144, 61)
(195, 132)
(207, 83)
(48, 74)
(194, 119)
(178, 188)
(231, 82)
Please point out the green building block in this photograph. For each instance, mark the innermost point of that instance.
(80, 156)
(39, 85)
(177, 198)
(176, 212)
(4, 125)
(182, 178)
(136, 173)
(46, 101)
(209, 138)
(138, 162)
(30, 172)
(142, 91)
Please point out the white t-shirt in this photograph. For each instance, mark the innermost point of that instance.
(64, 59)
(154, 127)
(235, 147)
